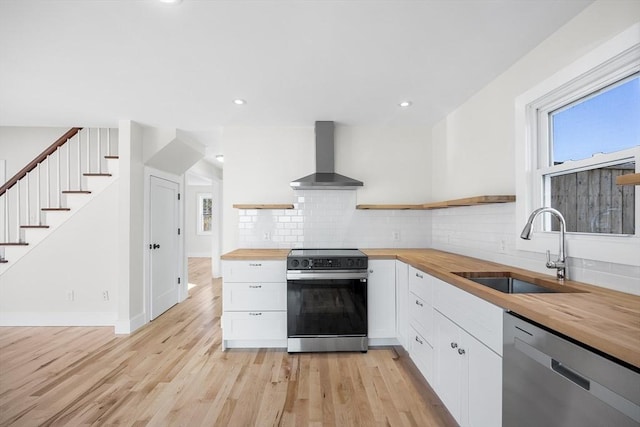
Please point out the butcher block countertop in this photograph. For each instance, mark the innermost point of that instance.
(606, 320)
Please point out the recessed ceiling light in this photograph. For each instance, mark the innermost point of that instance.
(239, 101)
(405, 104)
(170, 1)
(220, 158)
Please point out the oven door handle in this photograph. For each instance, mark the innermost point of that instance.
(327, 275)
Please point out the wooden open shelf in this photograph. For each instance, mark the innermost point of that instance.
(390, 207)
(468, 201)
(263, 206)
(628, 179)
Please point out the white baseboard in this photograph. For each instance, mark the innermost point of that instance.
(126, 327)
(57, 319)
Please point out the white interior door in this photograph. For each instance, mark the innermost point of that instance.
(163, 207)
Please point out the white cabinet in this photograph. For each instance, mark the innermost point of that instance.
(468, 371)
(254, 303)
(402, 304)
(468, 376)
(381, 301)
(420, 306)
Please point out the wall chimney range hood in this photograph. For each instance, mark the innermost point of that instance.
(325, 177)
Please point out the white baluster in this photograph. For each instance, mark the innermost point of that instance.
(38, 196)
(18, 211)
(68, 166)
(88, 153)
(108, 141)
(79, 164)
(58, 189)
(47, 183)
(27, 201)
(99, 151)
(6, 217)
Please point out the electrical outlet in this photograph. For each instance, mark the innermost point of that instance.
(503, 246)
(266, 235)
(105, 295)
(70, 296)
(396, 235)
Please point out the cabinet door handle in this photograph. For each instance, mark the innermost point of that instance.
(418, 339)
(255, 286)
(254, 265)
(255, 314)
(370, 271)
(419, 276)
(454, 345)
(419, 303)
(461, 351)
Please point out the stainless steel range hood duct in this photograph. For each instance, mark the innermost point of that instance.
(325, 177)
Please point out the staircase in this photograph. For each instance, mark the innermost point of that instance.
(52, 187)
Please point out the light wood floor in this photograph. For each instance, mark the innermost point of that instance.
(173, 372)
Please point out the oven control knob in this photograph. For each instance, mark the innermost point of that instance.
(360, 263)
(350, 263)
(305, 263)
(295, 263)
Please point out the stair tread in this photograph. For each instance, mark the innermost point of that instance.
(76, 192)
(34, 226)
(13, 244)
(3, 261)
(56, 209)
(97, 174)
(111, 157)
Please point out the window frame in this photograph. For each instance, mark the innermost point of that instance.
(200, 214)
(609, 63)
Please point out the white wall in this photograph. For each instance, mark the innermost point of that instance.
(198, 245)
(473, 152)
(20, 145)
(131, 309)
(473, 147)
(261, 162)
(79, 256)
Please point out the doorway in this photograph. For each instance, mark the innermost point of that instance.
(163, 245)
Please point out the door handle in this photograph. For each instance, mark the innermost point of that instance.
(156, 246)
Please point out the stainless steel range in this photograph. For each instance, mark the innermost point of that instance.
(327, 300)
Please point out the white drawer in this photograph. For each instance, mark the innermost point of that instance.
(421, 316)
(263, 296)
(478, 317)
(421, 284)
(254, 271)
(254, 325)
(422, 354)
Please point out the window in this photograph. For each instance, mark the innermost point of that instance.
(205, 213)
(575, 133)
(588, 144)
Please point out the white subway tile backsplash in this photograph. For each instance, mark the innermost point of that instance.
(328, 218)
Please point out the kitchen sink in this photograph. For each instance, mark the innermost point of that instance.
(507, 283)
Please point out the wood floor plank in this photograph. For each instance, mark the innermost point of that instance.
(172, 372)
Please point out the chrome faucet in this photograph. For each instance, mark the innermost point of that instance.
(561, 263)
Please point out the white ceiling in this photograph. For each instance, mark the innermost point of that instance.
(92, 63)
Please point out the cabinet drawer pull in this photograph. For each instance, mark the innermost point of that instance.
(461, 351)
(255, 286)
(255, 314)
(418, 339)
(419, 276)
(454, 345)
(419, 303)
(254, 265)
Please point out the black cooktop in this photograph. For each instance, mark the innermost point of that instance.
(326, 259)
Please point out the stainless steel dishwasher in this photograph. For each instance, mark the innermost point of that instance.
(550, 380)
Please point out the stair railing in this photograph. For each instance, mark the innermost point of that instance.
(38, 186)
